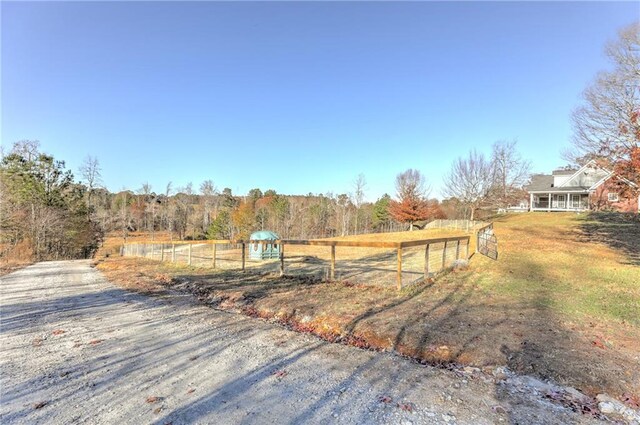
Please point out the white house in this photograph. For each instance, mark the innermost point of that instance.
(590, 187)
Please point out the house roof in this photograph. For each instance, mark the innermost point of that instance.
(540, 182)
(563, 172)
(544, 183)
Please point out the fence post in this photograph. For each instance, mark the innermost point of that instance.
(399, 277)
(173, 253)
(243, 254)
(281, 259)
(426, 262)
(333, 262)
(468, 243)
(214, 255)
(189, 261)
(162, 252)
(444, 255)
(458, 249)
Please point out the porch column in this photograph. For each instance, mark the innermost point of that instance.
(549, 210)
(531, 202)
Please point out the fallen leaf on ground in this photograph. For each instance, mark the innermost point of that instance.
(58, 332)
(385, 399)
(37, 342)
(280, 373)
(40, 404)
(631, 400)
(157, 410)
(598, 344)
(407, 407)
(95, 341)
(152, 399)
(190, 390)
(192, 358)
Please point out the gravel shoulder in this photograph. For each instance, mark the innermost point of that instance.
(77, 349)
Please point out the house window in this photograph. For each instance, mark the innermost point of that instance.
(612, 197)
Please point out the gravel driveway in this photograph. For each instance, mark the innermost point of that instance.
(77, 349)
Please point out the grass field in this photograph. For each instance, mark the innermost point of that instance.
(562, 302)
(358, 265)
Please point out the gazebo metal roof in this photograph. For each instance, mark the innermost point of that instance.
(264, 235)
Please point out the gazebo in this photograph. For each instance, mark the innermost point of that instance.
(263, 250)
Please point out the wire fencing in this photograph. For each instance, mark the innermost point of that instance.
(466, 225)
(358, 262)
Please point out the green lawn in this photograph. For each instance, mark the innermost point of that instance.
(555, 259)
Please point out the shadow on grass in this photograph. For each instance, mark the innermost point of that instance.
(620, 231)
(445, 323)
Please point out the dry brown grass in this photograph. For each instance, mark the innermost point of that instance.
(13, 258)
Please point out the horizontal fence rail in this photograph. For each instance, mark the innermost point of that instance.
(439, 253)
(467, 225)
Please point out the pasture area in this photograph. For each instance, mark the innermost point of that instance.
(363, 265)
(561, 303)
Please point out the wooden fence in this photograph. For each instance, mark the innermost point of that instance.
(457, 245)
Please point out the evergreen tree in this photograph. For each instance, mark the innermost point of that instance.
(381, 214)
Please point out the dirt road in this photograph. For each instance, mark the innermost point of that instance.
(76, 349)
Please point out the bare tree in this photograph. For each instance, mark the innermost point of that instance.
(359, 185)
(166, 216)
(607, 124)
(28, 149)
(208, 191)
(510, 171)
(342, 206)
(470, 181)
(90, 172)
(124, 215)
(149, 200)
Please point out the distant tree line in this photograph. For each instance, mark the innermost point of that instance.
(46, 214)
(209, 213)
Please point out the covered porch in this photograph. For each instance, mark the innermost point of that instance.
(559, 201)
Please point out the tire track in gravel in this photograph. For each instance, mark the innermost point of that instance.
(77, 349)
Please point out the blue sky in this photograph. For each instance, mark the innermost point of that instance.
(298, 97)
